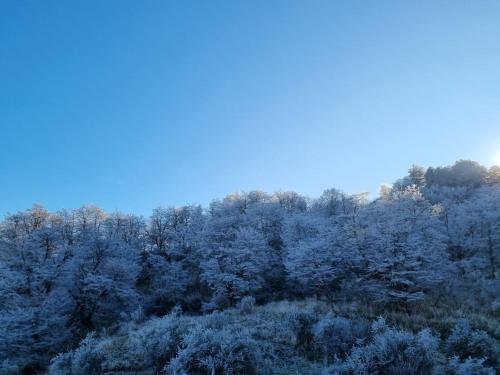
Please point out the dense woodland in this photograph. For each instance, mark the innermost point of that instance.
(262, 284)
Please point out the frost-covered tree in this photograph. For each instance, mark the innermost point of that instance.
(406, 247)
(462, 173)
(315, 259)
(170, 269)
(267, 218)
(493, 176)
(290, 201)
(433, 233)
(102, 275)
(236, 269)
(416, 175)
(34, 299)
(474, 231)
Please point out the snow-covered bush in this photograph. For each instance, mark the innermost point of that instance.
(392, 352)
(465, 342)
(468, 367)
(301, 323)
(246, 304)
(87, 359)
(8, 368)
(336, 336)
(145, 348)
(153, 345)
(225, 352)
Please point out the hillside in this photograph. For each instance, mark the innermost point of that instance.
(262, 283)
(307, 337)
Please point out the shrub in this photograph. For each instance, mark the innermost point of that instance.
(301, 323)
(392, 352)
(246, 304)
(224, 352)
(153, 345)
(134, 349)
(9, 368)
(87, 359)
(468, 367)
(465, 342)
(335, 336)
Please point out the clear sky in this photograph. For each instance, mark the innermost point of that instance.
(130, 105)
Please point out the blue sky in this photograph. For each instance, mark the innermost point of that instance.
(130, 105)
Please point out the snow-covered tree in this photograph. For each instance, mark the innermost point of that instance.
(101, 277)
(170, 269)
(406, 247)
(236, 269)
(34, 299)
(315, 259)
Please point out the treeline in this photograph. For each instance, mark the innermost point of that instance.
(431, 238)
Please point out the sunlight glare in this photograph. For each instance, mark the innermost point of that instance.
(496, 159)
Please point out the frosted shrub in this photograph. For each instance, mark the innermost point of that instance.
(138, 315)
(133, 349)
(468, 367)
(216, 303)
(379, 325)
(61, 365)
(466, 342)
(207, 351)
(337, 335)
(216, 320)
(301, 323)
(393, 352)
(246, 304)
(8, 368)
(156, 343)
(87, 359)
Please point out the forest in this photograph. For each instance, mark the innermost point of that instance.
(257, 283)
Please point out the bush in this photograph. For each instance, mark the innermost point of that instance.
(301, 323)
(149, 347)
(9, 368)
(246, 304)
(392, 352)
(465, 342)
(155, 344)
(284, 338)
(468, 367)
(335, 336)
(87, 359)
(224, 352)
